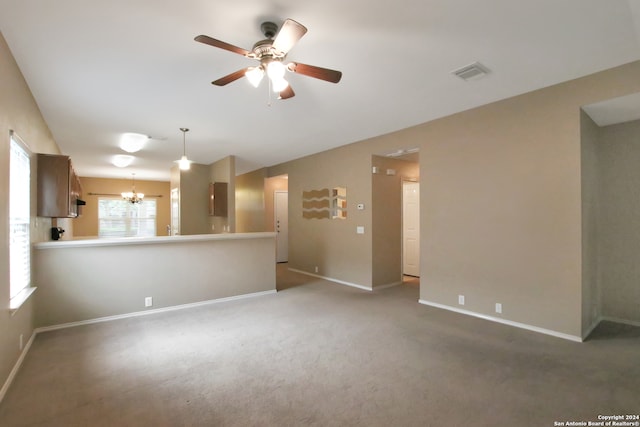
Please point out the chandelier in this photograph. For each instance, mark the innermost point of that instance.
(132, 196)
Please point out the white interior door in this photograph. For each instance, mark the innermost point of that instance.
(281, 217)
(411, 228)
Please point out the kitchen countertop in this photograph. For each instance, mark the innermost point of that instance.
(122, 241)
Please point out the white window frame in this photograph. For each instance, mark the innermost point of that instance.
(20, 286)
(128, 224)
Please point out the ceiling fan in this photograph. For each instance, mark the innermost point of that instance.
(271, 53)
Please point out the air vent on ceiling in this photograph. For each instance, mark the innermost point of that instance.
(471, 72)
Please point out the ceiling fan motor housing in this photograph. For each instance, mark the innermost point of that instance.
(264, 49)
(269, 29)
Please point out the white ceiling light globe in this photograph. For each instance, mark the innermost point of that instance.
(132, 142)
(122, 160)
(275, 70)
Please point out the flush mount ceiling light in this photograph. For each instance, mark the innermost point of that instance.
(132, 196)
(122, 160)
(184, 163)
(132, 142)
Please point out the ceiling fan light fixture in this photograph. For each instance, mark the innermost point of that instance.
(276, 70)
(279, 84)
(270, 53)
(254, 75)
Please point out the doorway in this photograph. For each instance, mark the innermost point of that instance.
(175, 212)
(281, 225)
(411, 228)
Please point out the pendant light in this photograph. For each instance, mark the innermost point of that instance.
(184, 163)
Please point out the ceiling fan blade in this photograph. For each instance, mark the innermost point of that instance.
(222, 45)
(230, 77)
(326, 74)
(287, 93)
(289, 34)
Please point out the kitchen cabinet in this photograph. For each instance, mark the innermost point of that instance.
(59, 190)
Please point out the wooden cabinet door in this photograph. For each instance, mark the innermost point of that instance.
(53, 186)
(58, 187)
(218, 199)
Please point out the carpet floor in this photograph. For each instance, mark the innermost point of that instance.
(321, 354)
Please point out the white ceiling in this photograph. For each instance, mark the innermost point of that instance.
(614, 111)
(100, 69)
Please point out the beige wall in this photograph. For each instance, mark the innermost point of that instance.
(250, 195)
(101, 281)
(87, 223)
(193, 185)
(194, 200)
(224, 170)
(502, 220)
(18, 112)
(501, 212)
(589, 145)
(386, 211)
(331, 245)
(619, 221)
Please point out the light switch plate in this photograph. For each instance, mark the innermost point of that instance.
(360, 229)
(360, 206)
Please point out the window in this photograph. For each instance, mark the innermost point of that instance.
(119, 218)
(19, 220)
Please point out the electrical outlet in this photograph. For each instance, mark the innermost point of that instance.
(21, 342)
(316, 268)
(148, 301)
(461, 299)
(498, 307)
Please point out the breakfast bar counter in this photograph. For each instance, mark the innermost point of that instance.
(89, 280)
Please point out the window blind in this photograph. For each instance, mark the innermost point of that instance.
(119, 218)
(19, 218)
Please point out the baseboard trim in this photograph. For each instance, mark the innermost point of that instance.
(16, 367)
(154, 311)
(503, 321)
(331, 279)
(387, 286)
(618, 320)
(593, 326)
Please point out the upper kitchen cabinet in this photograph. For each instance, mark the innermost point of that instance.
(59, 191)
(218, 199)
